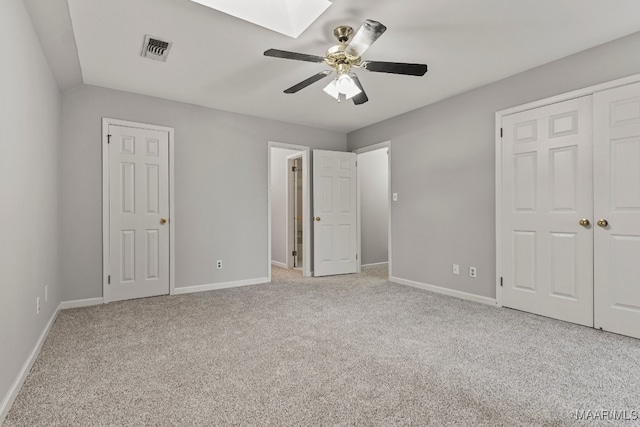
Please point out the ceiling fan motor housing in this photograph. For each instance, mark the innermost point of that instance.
(341, 59)
(343, 33)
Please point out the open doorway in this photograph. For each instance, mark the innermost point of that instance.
(374, 205)
(295, 248)
(289, 207)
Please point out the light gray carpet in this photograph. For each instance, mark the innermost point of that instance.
(338, 351)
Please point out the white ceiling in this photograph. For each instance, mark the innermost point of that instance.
(217, 60)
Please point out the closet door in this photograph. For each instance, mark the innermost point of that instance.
(547, 189)
(617, 210)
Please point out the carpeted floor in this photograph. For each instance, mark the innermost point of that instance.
(340, 351)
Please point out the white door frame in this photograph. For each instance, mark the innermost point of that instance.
(498, 140)
(306, 203)
(105, 201)
(366, 149)
(289, 201)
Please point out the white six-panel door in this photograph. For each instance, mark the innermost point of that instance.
(138, 212)
(334, 212)
(546, 191)
(617, 201)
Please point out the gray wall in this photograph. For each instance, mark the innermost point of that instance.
(373, 174)
(220, 185)
(443, 166)
(29, 217)
(279, 208)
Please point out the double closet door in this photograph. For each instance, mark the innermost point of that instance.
(571, 210)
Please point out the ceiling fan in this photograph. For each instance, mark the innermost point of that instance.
(343, 57)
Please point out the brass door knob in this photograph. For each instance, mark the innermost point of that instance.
(584, 222)
(317, 218)
(163, 221)
(603, 223)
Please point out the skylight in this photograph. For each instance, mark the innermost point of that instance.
(288, 17)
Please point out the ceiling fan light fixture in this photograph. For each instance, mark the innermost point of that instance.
(343, 84)
(332, 89)
(347, 86)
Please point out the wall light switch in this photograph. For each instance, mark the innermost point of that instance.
(395, 197)
(456, 269)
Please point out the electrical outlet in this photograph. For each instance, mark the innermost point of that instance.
(472, 271)
(456, 269)
(38, 306)
(219, 264)
(46, 293)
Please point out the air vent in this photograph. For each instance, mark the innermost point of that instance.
(156, 49)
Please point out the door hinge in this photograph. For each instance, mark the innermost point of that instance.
(501, 281)
(108, 139)
(108, 279)
(294, 253)
(500, 132)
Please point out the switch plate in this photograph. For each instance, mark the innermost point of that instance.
(395, 197)
(456, 269)
(37, 305)
(472, 271)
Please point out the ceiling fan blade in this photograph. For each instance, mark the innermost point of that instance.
(362, 97)
(316, 77)
(366, 35)
(276, 53)
(395, 68)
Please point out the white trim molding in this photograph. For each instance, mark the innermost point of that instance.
(373, 264)
(222, 285)
(105, 200)
(498, 183)
(373, 147)
(77, 303)
(445, 291)
(280, 264)
(11, 395)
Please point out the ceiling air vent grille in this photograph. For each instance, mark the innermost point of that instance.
(156, 49)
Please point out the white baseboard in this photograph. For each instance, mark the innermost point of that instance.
(224, 285)
(76, 303)
(279, 264)
(11, 395)
(375, 263)
(445, 291)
